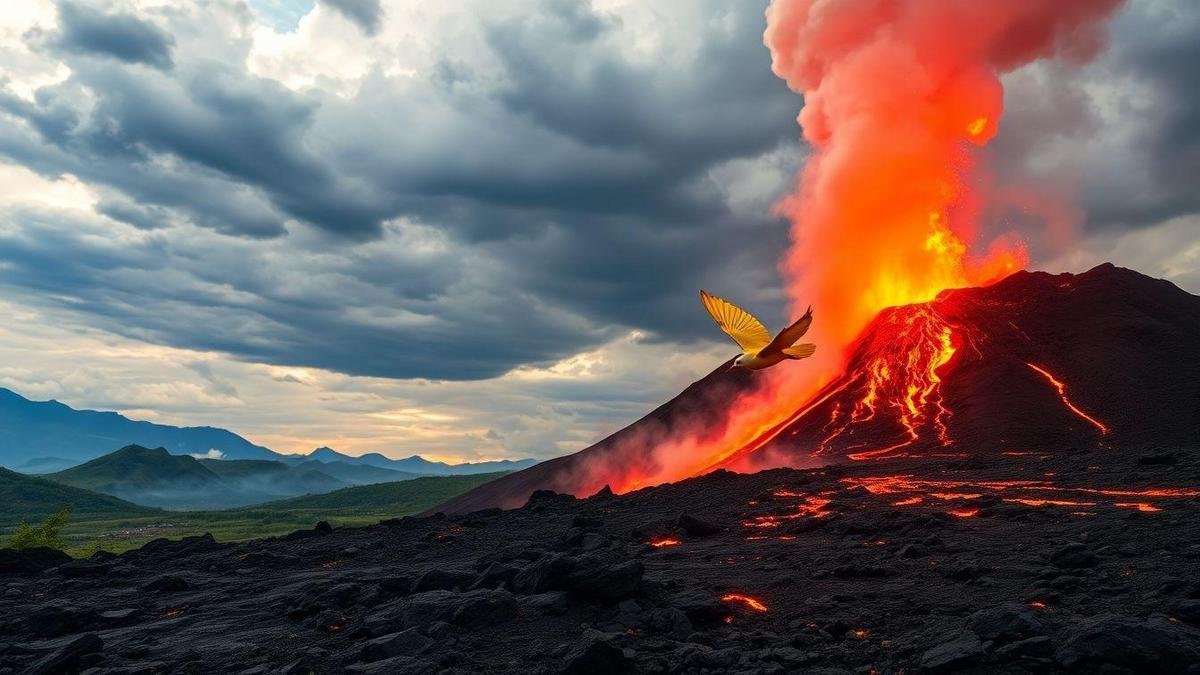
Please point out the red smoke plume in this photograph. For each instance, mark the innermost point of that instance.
(899, 98)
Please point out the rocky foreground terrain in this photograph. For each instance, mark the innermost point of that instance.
(1081, 562)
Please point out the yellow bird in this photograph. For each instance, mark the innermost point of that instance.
(758, 349)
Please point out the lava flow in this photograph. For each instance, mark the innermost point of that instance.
(903, 375)
(1062, 393)
(664, 542)
(745, 600)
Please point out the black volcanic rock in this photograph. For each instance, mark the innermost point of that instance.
(983, 598)
(697, 527)
(67, 658)
(957, 654)
(28, 561)
(1153, 645)
(1004, 623)
(594, 654)
(1123, 346)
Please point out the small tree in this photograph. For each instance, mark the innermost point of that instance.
(46, 534)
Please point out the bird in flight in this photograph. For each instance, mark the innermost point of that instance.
(758, 349)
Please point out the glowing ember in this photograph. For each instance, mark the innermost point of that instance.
(665, 541)
(1062, 393)
(964, 513)
(1048, 502)
(746, 600)
(812, 507)
(860, 633)
(1140, 506)
(1037, 604)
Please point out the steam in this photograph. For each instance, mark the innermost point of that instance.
(212, 453)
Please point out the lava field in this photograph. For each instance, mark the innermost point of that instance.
(1080, 562)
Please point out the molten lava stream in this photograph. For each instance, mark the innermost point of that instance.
(745, 600)
(902, 377)
(1062, 393)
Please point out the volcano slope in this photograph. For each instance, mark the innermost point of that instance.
(1035, 363)
(1060, 562)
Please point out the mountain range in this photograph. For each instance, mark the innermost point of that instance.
(38, 437)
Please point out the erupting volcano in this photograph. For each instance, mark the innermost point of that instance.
(931, 343)
(1034, 364)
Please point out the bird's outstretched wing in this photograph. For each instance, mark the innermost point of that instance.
(788, 336)
(800, 351)
(737, 323)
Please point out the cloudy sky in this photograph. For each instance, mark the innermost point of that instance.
(467, 230)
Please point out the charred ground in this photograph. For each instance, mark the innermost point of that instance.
(1053, 562)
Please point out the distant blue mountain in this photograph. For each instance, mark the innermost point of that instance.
(34, 429)
(48, 436)
(415, 464)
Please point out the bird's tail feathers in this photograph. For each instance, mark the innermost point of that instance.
(800, 351)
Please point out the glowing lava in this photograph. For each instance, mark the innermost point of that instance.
(665, 541)
(745, 600)
(1025, 492)
(1140, 506)
(808, 507)
(903, 374)
(1062, 393)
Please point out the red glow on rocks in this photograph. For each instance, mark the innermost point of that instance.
(964, 513)
(1140, 506)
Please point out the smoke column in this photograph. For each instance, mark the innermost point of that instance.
(899, 98)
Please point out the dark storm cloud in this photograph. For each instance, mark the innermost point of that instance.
(579, 195)
(1152, 177)
(367, 14)
(87, 30)
(1125, 129)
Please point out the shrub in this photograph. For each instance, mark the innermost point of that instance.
(46, 534)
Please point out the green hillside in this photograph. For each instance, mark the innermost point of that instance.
(358, 474)
(101, 521)
(32, 499)
(240, 468)
(135, 468)
(384, 499)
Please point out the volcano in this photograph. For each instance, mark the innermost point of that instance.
(1034, 364)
